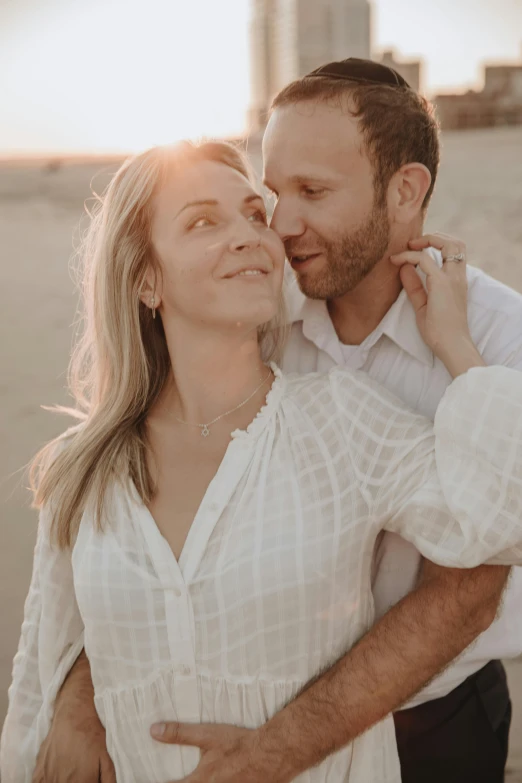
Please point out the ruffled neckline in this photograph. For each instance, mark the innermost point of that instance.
(273, 398)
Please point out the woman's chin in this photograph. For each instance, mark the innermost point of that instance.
(255, 314)
(243, 315)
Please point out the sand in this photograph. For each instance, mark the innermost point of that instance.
(478, 198)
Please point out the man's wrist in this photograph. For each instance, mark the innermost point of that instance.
(272, 757)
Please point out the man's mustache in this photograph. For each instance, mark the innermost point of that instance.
(292, 249)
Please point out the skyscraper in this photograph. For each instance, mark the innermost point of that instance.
(288, 38)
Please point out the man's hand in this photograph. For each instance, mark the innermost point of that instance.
(74, 750)
(229, 754)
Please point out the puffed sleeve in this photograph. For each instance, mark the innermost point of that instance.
(478, 451)
(51, 640)
(452, 488)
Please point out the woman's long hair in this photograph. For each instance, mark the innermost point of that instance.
(120, 363)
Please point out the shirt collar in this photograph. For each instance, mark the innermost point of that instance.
(399, 324)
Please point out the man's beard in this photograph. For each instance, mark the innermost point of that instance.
(349, 258)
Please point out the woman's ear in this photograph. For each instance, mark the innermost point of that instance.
(149, 292)
(407, 191)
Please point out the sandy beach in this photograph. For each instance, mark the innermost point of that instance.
(478, 198)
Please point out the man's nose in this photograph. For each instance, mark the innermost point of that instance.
(287, 221)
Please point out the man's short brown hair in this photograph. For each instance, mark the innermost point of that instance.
(398, 125)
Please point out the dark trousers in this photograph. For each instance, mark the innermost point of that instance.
(461, 738)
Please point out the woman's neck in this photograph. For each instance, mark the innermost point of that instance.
(211, 375)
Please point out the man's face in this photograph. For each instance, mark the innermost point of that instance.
(334, 228)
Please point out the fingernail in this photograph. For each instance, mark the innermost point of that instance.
(157, 729)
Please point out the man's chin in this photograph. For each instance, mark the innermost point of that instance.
(313, 288)
(310, 276)
(322, 287)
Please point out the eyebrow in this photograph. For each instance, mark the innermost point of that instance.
(212, 202)
(303, 179)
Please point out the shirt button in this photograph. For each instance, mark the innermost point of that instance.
(177, 592)
(214, 506)
(185, 670)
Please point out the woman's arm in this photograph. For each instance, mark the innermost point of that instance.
(455, 490)
(51, 640)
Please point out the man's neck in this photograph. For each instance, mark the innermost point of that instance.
(359, 312)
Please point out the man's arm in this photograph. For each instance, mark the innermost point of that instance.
(75, 747)
(396, 658)
(411, 644)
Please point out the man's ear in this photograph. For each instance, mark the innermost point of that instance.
(407, 190)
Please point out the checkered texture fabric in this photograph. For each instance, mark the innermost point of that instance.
(273, 584)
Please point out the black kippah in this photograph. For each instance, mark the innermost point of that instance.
(356, 70)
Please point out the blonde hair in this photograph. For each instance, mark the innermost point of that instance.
(121, 362)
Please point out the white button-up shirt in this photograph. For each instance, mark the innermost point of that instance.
(395, 355)
(274, 580)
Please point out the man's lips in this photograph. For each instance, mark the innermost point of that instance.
(298, 261)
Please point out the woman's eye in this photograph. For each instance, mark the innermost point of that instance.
(258, 216)
(201, 222)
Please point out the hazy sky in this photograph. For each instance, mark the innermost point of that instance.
(113, 74)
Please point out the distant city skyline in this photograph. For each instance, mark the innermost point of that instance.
(288, 40)
(120, 75)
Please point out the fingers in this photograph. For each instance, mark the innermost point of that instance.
(417, 258)
(107, 771)
(438, 241)
(447, 245)
(200, 735)
(413, 286)
(451, 270)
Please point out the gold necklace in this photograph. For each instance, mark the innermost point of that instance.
(205, 427)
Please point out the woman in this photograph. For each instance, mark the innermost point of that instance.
(214, 521)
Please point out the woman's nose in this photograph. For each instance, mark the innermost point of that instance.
(248, 244)
(245, 238)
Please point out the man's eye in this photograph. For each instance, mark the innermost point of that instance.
(313, 191)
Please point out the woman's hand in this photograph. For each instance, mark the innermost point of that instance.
(441, 308)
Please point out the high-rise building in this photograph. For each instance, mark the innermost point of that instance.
(289, 38)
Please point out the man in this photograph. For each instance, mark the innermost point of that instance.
(346, 148)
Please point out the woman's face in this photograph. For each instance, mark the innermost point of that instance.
(222, 266)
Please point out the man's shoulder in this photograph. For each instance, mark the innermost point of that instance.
(487, 295)
(495, 316)
(343, 387)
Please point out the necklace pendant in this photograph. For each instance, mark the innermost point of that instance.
(205, 431)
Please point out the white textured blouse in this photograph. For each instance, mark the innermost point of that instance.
(273, 583)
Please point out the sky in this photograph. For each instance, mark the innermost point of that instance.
(107, 75)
